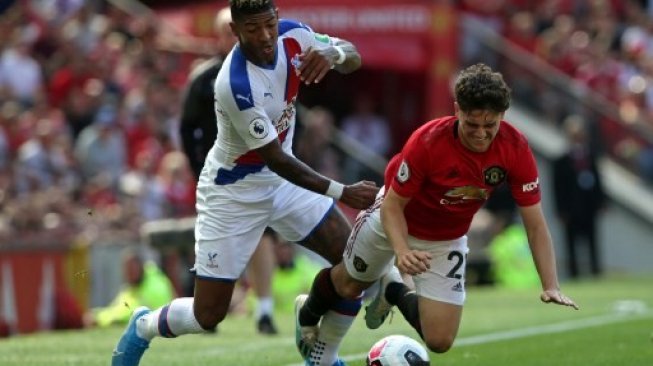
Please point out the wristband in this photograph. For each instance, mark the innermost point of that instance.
(341, 55)
(335, 190)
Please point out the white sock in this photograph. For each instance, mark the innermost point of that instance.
(333, 328)
(265, 306)
(170, 321)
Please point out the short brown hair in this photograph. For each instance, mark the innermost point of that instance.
(479, 88)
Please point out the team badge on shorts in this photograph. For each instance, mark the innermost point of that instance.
(494, 175)
(258, 128)
(213, 261)
(403, 173)
(360, 264)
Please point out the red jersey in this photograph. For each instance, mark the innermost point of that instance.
(448, 183)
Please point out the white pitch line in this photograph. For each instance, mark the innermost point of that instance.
(528, 331)
(544, 329)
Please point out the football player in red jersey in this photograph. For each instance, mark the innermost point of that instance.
(444, 174)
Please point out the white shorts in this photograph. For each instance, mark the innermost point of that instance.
(369, 255)
(231, 220)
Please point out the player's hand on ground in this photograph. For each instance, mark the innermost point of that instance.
(414, 262)
(557, 297)
(314, 64)
(360, 195)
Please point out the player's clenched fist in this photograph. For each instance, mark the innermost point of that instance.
(314, 64)
(360, 195)
(413, 262)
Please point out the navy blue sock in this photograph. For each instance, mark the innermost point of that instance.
(323, 296)
(405, 299)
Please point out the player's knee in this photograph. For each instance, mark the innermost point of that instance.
(209, 320)
(351, 290)
(345, 285)
(439, 344)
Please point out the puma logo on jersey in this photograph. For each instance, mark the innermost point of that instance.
(240, 96)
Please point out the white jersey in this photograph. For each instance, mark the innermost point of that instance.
(255, 105)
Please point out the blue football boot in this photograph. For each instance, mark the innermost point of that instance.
(131, 347)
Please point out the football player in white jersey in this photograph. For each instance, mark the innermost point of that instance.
(198, 131)
(251, 180)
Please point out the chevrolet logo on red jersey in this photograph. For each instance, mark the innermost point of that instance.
(467, 193)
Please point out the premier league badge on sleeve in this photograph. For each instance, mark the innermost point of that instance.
(258, 128)
(403, 173)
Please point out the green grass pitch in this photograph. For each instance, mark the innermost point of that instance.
(500, 327)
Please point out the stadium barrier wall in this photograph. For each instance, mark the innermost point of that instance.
(45, 286)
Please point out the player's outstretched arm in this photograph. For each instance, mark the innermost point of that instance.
(359, 196)
(539, 239)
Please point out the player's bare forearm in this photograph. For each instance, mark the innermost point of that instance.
(394, 225)
(544, 258)
(539, 240)
(353, 59)
(412, 262)
(359, 196)
(297, 172)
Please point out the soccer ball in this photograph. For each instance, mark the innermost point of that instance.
(397, 350)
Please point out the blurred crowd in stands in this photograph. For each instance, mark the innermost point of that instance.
(88, 110)
(605, 46)
(89, 113)
(90, 102)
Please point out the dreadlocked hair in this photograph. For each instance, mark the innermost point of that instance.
(480, 88)
(241, 8)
